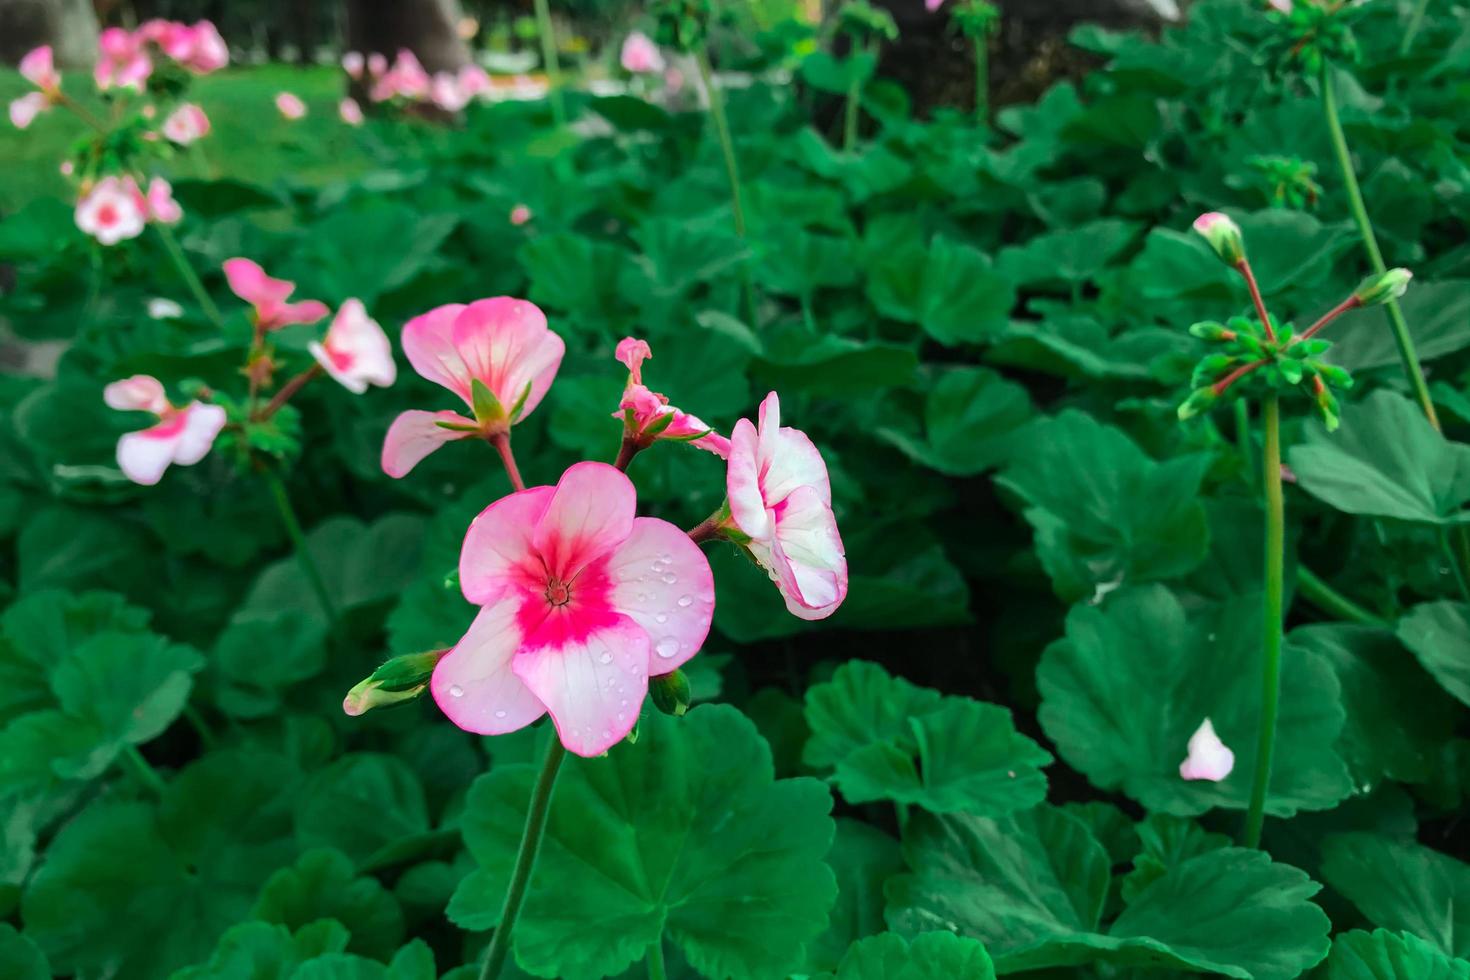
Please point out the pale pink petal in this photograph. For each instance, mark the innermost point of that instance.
(1208, 758)
(497, 551)
(202, 425)
(474, 685)
(428, 343)
(810, 563)
(306, 311)
(140, 393)
(38, 68)
(640, 55)
(663, 582)
(590, 514)
(446, 92)
(377, 63)
(25, 109)
(161, 204)
(249, 282)
(505, 343)
(592, 682)
(290, 105)
(350, 112)
(186, 124)
(742, 482)
(414, 435)
(796, 462)
(144, 456)
(352, 64)
(633, 352)
(356, 352)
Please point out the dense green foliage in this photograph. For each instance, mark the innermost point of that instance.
(973, 767)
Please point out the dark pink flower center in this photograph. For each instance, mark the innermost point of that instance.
(107, 215)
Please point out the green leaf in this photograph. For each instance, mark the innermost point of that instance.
(1073, 255)
(831, 365)
(960, 297)
(368, 252)
(741, 894)
(930, 956)
(1113, 718)
(797, 262)
(361, 804)
(574, 273)
(974, 419)
(1438, 314)
(1032, 887)
(863, 858)
(251, 684)
(1385, 461)
(322, 885)
(21, 959)
(1438, 633)
(1384, 955)
(1106, 514)
(264, 951)
(1166, 843)
(131, 686)
(1403, 885)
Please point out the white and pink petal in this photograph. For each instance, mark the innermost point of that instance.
(474, 684)
(592, 682)
(415, 434)
(661, 580)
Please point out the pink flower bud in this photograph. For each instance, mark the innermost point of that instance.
(290, 105)
(1223, 235)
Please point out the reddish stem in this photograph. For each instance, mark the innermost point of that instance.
(288, 391)
(1219, 386)
(1348, 304)
(501, 442)
(1250, 283)
(705, 530)
(631, 447)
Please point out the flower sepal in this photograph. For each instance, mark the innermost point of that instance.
(400, 680)
(671, 693)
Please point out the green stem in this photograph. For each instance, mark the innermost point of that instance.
(1407, 354)
(191, 278)
(851, 111)
(298, 541)
(1243, 442)
(982, 80)
(1272, 618)
(552, 62)
(732, 166)
(1315, 590)
(1416, 21)
(520, 877)
(145, 772)
(656, 960)
(200, 726)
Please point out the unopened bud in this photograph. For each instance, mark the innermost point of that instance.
(400, 679)
(671, 693)
(1383, 288)
(1210, 330)
(1199, 401)
(1223, 235)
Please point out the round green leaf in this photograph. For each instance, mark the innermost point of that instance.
(361, 804)
(863, 858)
(1399, 884)
(684, 836)
(1384, 955)
(1438, 633)
(322, 885)
(930, 956)
(21, 959)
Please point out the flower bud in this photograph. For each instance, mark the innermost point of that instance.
(1223, 235)
(1383, 288)
(671, 693)
(400, 679)
(1199, 401)
(1210, 330)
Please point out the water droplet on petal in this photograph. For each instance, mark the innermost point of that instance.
(455, 691)
(606, 658)
(661, 618)
(500, 713)
(666, 558)
(685, 601)
(670, 578)
(622, 715)
(667, 647)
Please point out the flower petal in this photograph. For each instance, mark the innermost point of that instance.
(306, 311)
(795, 462)
(202, 425)
(810, 564)
(742, 482)
(25, 109)
(414, 435)
(632, 352)
(497, 550)
(429, 346)
(591, 513)
(1208, 758)
(144, 456)
(592, 682)
(474, 685)
(663, 582)
(249, 282)
(140, 393)
(506, 344)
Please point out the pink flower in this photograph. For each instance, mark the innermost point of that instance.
(781, 499)
(502, 343)
(353, 63)
(38, 68)
(161, 205)
(1280, 6)
(112, 211)
(67, 168)
(1208, 756)
(356, 352)
(183, 435)
(122, 60)
(520, 214)
(648, 416)
(249, 282)
(377, 63)
(290, 105)
(446, 92)
(933, 5)
(25, 109)
(474, 80)
(581, 601)
(350, 112)
(406, 78)
(640, 55)
(199, 48)
(186, 124)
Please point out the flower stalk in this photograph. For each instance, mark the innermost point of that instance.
(1272, 609)
(501, 442)
(546, 31)
(191, 278)
(298, 542)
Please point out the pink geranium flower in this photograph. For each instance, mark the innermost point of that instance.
(640, 55)
(356, 351)
(1208, 758)
(353, 63)
(648, 416)
(350, 112)
(249, 282)
(406, 78)
(501, 343)
(122, 60)
(197, 47)
(112, 210)
(37, 68)
(183, 434)
(186, 124)
(581, 601)
(377, 63)
(290, 105)
(781, 499)
(519, 215)
(160, 203)
(446, 92)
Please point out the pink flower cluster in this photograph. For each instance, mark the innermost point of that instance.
(115, 208)
(183, 434)
(38, 68)
(407, 80)
(125, 58)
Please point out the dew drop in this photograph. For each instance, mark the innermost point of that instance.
(606, 658)
(685, 601)
(661, 618)
(666, 558)
(667, 647)
(455, 691)
(622, 715)
(500, 713)
(670, 578)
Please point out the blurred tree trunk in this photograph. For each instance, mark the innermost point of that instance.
(428, 28)
(69, 26)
